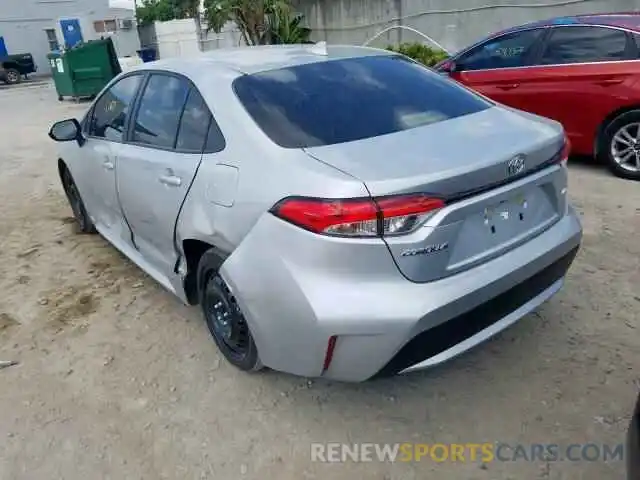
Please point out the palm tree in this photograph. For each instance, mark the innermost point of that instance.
(257, 20)
(149, 11)
(287, 29)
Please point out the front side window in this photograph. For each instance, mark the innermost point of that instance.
(161, 106)
(509, 51)
(584, 44)
(338, 101)
(112, 109)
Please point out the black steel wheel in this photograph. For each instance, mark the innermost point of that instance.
(12, 76)
(83, 220)
(224, 318)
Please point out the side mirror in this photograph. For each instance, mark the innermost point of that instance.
(67, 131)
(447, 67)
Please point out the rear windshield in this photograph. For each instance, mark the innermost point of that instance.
(345, 100)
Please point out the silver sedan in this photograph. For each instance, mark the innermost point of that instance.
(340, 212)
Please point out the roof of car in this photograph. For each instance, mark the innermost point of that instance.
(248, 60)
(629, 20)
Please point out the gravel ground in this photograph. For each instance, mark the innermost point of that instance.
(118, 380)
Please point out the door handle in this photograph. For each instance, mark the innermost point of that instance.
(170, 180)
(509, 86)
(108, 165)
(609, 81)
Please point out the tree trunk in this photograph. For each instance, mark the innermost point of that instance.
(196, 19)
(243, 34)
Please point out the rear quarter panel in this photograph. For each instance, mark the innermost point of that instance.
(260, 172)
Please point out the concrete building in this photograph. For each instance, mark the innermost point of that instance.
(451, 23)
(40, 26)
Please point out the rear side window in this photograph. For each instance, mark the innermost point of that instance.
(112, 109)
(585, 44)
(194, 124)
(159, 112)
(509, 51)
(340, 101)
(215, 139)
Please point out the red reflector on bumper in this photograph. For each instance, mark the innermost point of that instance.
(331, 345)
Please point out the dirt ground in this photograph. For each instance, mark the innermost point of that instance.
(118, 380)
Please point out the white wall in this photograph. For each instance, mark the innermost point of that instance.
(28, 37)
(126, 42)
(128, 4)
(229, 37)
(453, 23)
(180, 38)
(23, 24)
(176, 38)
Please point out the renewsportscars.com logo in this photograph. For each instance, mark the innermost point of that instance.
(465, 452)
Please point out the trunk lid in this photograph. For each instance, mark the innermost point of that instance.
(493, 205)
(447, 158)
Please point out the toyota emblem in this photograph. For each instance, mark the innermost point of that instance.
(516, 165)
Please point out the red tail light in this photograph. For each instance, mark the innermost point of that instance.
(358, 217)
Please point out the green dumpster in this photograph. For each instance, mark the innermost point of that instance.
(84, 70)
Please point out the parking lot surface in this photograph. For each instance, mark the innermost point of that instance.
(116, 379)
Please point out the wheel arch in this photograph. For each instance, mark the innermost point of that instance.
(62, 167)
(607, 120)
(193, 249)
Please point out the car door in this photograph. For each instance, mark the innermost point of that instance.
(158, 163)
(498, 69)
(582, 75)
(104, 128)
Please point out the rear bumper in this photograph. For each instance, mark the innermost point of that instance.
(457, 335)
(384, 323)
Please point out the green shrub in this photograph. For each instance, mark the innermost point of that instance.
(419, 52)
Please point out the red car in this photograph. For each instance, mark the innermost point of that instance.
(583, 71)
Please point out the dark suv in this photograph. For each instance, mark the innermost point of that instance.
(14, 67)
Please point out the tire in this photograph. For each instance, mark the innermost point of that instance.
(620, 138)
(228, 327)
(83, 220)
(12, 76)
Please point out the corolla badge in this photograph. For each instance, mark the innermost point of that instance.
(516, 165)
(438, 247)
